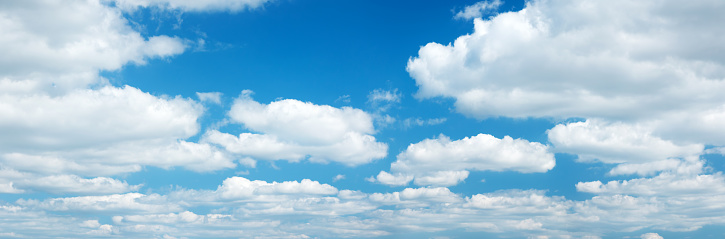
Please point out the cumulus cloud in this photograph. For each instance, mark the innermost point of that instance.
(444, 162)
(46, 49)
(290, 130)
(646, 65)
(633, 147)
(93, 117)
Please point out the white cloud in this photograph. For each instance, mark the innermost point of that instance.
(77, 185)
(56, 47)
(615, 60)
(663, 185)
(633, 147)
(242, 189)
(444, 162)
(85, 118)
(651, 235)
(194, 6)
(212, 97)
(410, 122)
(338, 177)
(129, 202)
(290, 130)
(383, 100)
(477, 10)
(617, 143)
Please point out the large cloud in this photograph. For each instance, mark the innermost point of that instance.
(61, 121)
(57, 46)
(294, 130)
(444, 162)
(619, 60)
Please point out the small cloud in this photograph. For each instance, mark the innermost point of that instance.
(338, 178)
(213, 97)
(651, 235)
(410, 122)
(343, 99)
(478, 10)
(380, 95)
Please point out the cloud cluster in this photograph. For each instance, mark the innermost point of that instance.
(310, 208)
(66, 129)
(568, 59)
(294, 130)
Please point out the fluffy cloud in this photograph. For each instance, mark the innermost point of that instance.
(93, 117)
(290, 130)
(620, 60)
(62, 122)
(444, 162)
(632, 146)
(55, 47)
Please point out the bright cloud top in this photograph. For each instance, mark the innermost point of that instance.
(444, 162)
(294, 130)
(613, 59)
(45, 50)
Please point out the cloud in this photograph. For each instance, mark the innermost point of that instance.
(478, 10)
(129, 202)
(410, 122)
(56, 47)
(290, 130)
(382, 100)
(444, 162)
(651, 235)
(633, 147)
(644, 66)
(87, 117)
(212, 97)
(73, 184)
(194, 6)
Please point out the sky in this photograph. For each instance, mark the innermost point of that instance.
(362, 118)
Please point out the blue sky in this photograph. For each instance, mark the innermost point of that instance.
(350, 119)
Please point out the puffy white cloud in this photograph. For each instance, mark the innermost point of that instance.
(633, 147)
(242, 189)
(291, 130)
(93, 117)
(615, 60)
(416, 197)
(617, 143)
(193, 6)
(477, 10)
(444, 162)
(54, 46)
(663, 185)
